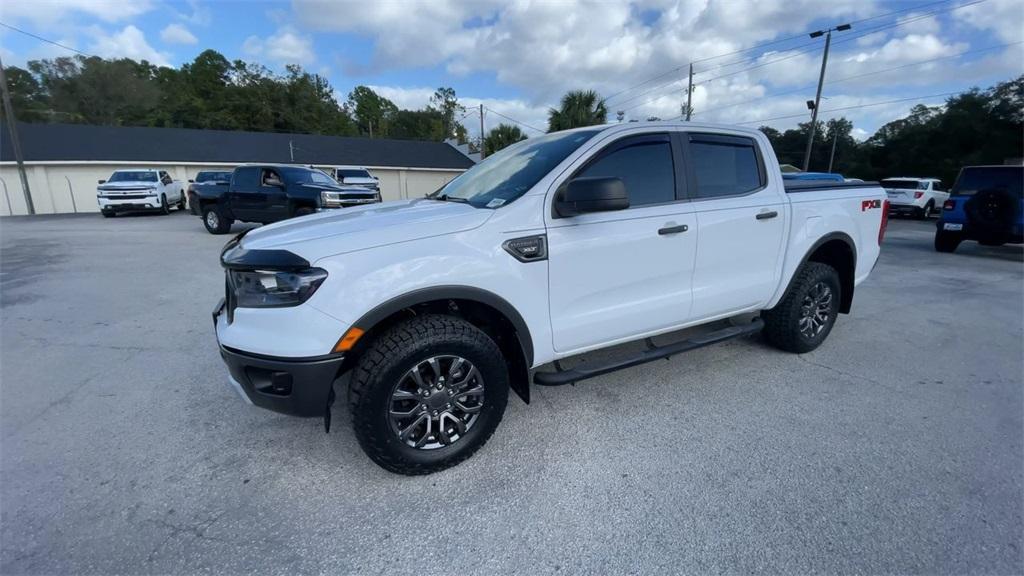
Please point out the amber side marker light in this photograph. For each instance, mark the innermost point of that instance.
(349, 339)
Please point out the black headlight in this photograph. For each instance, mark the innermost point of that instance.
(274, 289)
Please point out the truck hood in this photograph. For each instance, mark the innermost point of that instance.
(126, 185)
(350, 229)
(363, 182)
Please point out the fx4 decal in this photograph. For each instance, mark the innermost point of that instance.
(869, 204)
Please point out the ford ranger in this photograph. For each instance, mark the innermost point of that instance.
(428, 311)
(267, 193)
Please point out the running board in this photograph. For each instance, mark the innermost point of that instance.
(584, 371)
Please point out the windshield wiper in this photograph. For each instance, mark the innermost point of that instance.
(447, 198)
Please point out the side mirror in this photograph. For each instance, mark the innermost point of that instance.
(582, 195)
(191, 181)
(101, 181)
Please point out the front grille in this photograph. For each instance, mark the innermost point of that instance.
(126, 196)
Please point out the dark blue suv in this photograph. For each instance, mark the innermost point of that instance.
(986, 204)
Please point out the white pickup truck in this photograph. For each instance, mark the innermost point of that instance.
(430, 310)
(139, 189)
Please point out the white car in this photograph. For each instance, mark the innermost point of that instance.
(921, 197)
(139, 189)
(561, 244)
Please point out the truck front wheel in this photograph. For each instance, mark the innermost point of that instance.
(427, 394)
(806, 314)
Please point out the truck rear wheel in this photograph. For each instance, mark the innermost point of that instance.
(427, 394)
(806, 314)
(214, 221)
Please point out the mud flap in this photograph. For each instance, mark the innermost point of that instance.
(327, 411)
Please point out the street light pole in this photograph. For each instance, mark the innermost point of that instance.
(821, 80)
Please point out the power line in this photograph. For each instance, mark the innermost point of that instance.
(854, 77)
(47, 40)
(854, 107)
(514, 120)
(763, 45)
(801, 52)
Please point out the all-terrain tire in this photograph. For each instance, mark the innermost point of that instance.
(947, 241)
(393, 354)
(782, 324)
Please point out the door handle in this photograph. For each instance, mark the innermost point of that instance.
(766, 215)
(673, 229)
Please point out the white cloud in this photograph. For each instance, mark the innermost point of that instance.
(286, 46)
(200, 15)
(130, 42)
(177, 34)
(1004, 17)
(529, 116)
(49, 12)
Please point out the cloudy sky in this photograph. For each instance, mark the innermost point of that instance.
(754, 62)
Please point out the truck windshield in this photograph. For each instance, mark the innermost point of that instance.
(213, 177)
(304, 176)
(133, 176)
(904, 184)
(510, 173)
(1005, 178)
(351, 173)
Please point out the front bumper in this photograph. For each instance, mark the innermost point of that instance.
(294, 386)
(135, 202)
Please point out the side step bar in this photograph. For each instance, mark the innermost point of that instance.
(584, 371)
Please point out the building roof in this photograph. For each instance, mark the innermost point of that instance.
(80, 142)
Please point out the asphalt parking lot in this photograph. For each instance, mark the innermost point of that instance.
(894, 448)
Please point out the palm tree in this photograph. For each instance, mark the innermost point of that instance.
(501, 136)
(578, 108)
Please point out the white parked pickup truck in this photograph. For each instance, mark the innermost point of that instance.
(139, 189)
(430, 310)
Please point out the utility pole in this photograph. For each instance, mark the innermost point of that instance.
(15, 141)
(835, 136)
(370, 124)
(291, 151)
(689, 94)
(821, 80)
(483, 153)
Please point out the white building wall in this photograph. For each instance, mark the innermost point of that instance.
(71, 187)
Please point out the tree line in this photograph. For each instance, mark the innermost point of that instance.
(211, 92)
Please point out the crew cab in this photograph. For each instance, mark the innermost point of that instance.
(217, 181)
(986, 204)
(139, 189)
(920, 197)
(356, 176)
(267, 193)
(426, 312)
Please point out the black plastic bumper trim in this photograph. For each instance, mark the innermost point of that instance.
(311, 381)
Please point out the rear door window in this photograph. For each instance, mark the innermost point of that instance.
(246, 179)
(724, 165)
